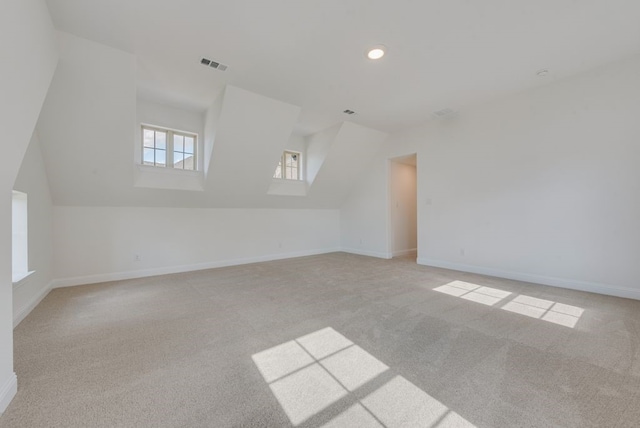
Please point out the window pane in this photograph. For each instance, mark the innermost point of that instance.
(147, 138)
(288, 160)
(294, 173)
(147, 157)
(189, 162)
(161, 157)
(178, 158)
(288, 173)
(161, 140)
(188, 144)
(178, 143)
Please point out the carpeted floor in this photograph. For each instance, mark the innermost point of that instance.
(336, 339)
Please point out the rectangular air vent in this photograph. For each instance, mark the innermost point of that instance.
(213, 64)
(349, 112)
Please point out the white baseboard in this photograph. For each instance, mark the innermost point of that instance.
(590, 287)
(8, 390)
(399, 253)
(377, 254)
(118, 276)
(22, 313)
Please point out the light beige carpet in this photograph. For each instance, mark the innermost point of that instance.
(331, 340)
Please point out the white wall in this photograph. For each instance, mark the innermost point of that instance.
(32, 180)
(26, 32)
(542, 186)
(318, 146)
(100, 243)
(88, 122)
(365, 223)
(404, 221)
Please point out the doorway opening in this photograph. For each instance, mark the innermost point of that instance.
(403, 185)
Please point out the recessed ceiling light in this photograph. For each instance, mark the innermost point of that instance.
(376, 52)
(542, 73)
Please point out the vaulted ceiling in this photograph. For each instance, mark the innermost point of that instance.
(293, 68)
(441, 54)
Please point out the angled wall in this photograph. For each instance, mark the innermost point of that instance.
(26, 32)
(87, 125)
(339, 155)
(32, 180)
(211, 121)
(252, 132)
(318, 146)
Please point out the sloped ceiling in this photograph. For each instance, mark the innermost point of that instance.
(87, 124)
(251, 135)
(311, 53)
(88, 130)
(299, 64)
(352, 149)
(23, 87)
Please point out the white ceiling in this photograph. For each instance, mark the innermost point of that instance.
(441, 54)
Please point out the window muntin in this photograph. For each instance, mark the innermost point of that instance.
(169, 148)
(289, 166)
(183, 151)
(154, 147)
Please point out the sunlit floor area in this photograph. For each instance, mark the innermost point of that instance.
(336, 340)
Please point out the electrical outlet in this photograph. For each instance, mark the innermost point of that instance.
(136, 258)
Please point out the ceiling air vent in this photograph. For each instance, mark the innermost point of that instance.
(349, 112)
(445, 113)
(213, 64)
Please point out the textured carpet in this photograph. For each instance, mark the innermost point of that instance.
(335, 340)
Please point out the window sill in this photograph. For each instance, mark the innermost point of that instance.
(20, 278)
(287, 180)
(168, 178)
(285, 187)
(167, 170)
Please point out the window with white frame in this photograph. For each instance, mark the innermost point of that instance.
(169, 148)
(19, 236)
(289, 167)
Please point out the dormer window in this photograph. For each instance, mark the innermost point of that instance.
(168, 148)
(289, 166)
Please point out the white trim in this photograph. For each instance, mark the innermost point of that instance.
(117, 276)
(284, 187)
(405, 252)
(591, 287)
(377, 254)
(8, 391)
(164, 170)
(283, 166)
(169, 150)
(21, 278)
(22, 313)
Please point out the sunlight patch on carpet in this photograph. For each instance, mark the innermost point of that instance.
(546, 310)
(314, 372)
